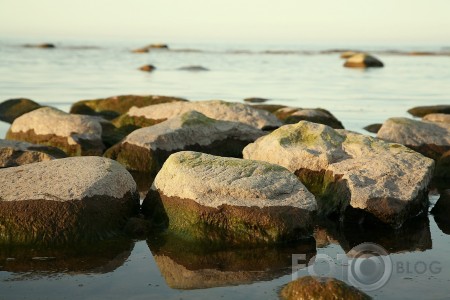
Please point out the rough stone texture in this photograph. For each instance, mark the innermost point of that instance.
(146, 149)
(313, 288)
(73, 134)
(444, 118)
(147, 68)
(13, 108)
(65, 201)
(421, 111)
(292, 115)
(343, 168)
(113, 107)
(14, 153)
(229, 199)
(429, 138)
(216, 109)
(362, 60)
(374, 128)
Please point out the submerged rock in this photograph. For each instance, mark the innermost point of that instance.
(312, 288)
(444, 118)
(374, 128)
(216, 109)
(421, 111)
(193, 68)
(147, 68)
(205, 197)
(14, 153)
(362, 60)
(146, 149)
(65, 201)
(292, 115)
(113, 107)
(73, 134)
(13, 108)
(345, 169)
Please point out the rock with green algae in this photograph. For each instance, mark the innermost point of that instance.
(291, 115)
(343, 168)
(13, 108)
(113, 107)
(235, 201)
(317, 288)
(65, 201)
(146, 149)
(215, 109)
(74, 134)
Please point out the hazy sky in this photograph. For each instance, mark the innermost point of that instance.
(416, 21)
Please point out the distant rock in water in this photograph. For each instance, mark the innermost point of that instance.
(444, 118)
(194, 68)
(348, 54)
(373, 127)
(151, 46)
(256, 100)
(141, 50)
(362, 60)
(147, 68)
(292, 115)
(43, 46)
(14, 108)
(268, 107)
(421, 111)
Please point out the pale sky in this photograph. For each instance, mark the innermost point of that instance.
(412, 21)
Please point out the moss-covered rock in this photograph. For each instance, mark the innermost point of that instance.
(204, 197)
(313, 288)
(363, 60)
(421, 111)
(13, 108)
(292, 115)
(113, 107)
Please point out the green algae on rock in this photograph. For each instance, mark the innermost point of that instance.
(65, 201)
(345, 169)
(205, 197)
(13, 108)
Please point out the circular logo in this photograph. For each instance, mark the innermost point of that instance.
(370, 267)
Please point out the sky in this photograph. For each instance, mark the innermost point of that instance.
(409, 21)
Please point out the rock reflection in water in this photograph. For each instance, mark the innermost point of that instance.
(34, 263)
(144, 181)
(188, 265)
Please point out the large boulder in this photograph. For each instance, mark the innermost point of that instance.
(65, 201)
(350, 170)
(13, 108)
(421, 111)
(219, 110)
(291, 115)
(363, 60)
(15, 153)
(444, 118)
(113, 107)
(205, 197)
(312, 288)
(73, 134)
(147, 148)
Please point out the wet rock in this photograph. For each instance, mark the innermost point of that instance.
(311, 288)
(73, 134)
(15, 153)
(421, 111)
(362, 60)
(443, 166)
(193, 68)
(147, 148)
(444, 118)
(113, 107)
(441, 212)
(256, 100)
(268, 107)
(65, 201)
(147, 49)
(13, 108)
(345, 169)
(229, 200)
(292, 115)
(215, 109)
(348, 54)
(147, 68)
(374, 128)
(42, 46)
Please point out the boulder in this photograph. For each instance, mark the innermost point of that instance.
(13, 108)
(421, 111)
(312, 288)
(229, 200)
(147, 148)
(362, 60)
(65, 201)
(216, 109)
(444, 118)
(373, 128)
(347, 170)
(147, 68)
(291, 115)
(73, 134)
(193, 68)
(113, 107)
(14, 153)
(256, 100)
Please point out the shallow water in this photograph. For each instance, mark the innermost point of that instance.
(163, 269)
